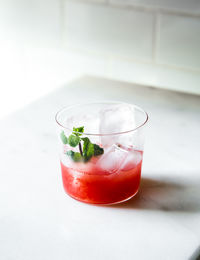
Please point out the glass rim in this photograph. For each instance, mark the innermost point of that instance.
(102, 102)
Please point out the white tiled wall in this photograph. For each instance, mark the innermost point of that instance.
(106, 29)
(179, 41)
(188, 6)
(153, 42)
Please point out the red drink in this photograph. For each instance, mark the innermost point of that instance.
(101, 151)
(89, 183)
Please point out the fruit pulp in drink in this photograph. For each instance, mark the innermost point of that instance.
(90, 183)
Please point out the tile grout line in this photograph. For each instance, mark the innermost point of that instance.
(146, 8)
(62, 14)
(120, 58)
(137, 7)
(154, 37)
(104, 3)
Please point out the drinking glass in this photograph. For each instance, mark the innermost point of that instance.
(101, 150)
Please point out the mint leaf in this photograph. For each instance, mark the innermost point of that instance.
(76, 157)
(63, 137)
(98, 150)
(70, 153)
(88, 149)
(73, 140)
(79, 130)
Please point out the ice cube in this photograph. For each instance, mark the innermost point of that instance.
(89, 121)
(115, 119)
(112, 159)
(132, 160)
(91, 124)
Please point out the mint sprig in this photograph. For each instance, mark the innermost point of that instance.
(89, 149)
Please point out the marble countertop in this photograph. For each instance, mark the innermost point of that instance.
(39, 221)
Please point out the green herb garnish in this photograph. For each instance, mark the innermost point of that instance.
(97, 150)
(73, 140)
(63, 137)
(75, 156)
(89, 149)
(78, 130)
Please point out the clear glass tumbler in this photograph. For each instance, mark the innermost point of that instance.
(101, 150)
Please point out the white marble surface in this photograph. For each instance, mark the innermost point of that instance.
(39, 221)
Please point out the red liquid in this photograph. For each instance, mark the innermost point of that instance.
(90, 184)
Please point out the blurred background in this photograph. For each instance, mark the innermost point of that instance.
(47, 43)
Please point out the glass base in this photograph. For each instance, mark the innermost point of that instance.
(103, 204)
